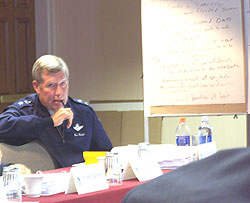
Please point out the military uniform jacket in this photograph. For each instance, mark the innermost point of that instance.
(27, 120)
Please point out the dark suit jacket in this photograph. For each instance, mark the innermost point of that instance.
(221, 178)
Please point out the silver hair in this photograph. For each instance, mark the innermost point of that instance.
(50, 63)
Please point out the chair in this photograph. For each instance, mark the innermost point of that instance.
(33, 155)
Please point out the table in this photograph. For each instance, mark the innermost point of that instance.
(112, 195)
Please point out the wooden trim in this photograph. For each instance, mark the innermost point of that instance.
(199, 109)
(11, 98)
(113, 101)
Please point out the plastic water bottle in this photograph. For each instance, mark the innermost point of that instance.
(204, 131)
(182, 133)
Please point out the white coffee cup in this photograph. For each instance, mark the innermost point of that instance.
(33, 184)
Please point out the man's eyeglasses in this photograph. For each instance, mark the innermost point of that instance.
(53, 86)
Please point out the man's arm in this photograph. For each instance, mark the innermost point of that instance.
(100, 140)
(18, 129)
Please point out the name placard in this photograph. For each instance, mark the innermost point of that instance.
(143, 169)
(128, 172)
(89, 178)
(205, 150)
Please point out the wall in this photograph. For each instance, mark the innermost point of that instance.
(126, 127)
(228, 131)
(101, 42)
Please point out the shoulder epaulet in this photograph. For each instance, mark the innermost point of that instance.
(80, 101)
(23, 103)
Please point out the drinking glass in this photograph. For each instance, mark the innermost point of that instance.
(12, 183)
(113, 169)
(143, 149)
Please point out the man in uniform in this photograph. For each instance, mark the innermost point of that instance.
(66, 127)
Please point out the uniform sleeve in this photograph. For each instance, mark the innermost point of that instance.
(18, 129)
(100, 140)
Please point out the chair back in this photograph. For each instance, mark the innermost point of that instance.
(32, 154)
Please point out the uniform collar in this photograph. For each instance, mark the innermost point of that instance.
(40, 109)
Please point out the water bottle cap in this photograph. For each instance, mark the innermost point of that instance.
(204, 118)
(182, 120)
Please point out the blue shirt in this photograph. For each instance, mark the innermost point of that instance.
(27, 120)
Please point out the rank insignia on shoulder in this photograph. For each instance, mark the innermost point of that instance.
(27, 101)
(80, 101)
(23, 102)
(20, 103)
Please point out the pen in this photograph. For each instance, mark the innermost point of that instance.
(60, 128)
(62, 103)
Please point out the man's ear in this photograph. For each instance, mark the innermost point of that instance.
(36, 86)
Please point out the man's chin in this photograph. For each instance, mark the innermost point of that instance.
(55, 108)
(57, 105)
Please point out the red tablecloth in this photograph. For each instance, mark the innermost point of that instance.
(112, 195)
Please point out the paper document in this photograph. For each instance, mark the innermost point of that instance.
(172, 156)
(167, 155)
(54, 183)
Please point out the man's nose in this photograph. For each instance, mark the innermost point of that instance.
(58, 90)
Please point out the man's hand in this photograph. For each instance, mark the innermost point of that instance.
(23, 169)
(61, 115)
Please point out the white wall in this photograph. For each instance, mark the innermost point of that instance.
(101, 42)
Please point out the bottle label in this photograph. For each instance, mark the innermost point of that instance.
(209, 138)
(183, 140)
(202, 139)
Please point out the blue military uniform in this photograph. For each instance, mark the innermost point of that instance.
(27, 120)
